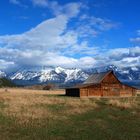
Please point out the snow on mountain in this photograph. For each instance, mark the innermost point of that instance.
(61, 75)
(56, 75)
(75, 74)
(50, 75)
(24, 75)
(60, 70)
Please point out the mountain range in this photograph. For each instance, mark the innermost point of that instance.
(69, 76)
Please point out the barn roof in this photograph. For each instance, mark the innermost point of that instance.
(96, 78)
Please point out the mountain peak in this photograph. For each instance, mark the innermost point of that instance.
(62, 75)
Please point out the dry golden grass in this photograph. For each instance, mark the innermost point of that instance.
(28, 105)
(125, 103)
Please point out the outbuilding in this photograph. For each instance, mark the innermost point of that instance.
(101, 84)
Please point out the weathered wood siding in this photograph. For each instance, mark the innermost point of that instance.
(94, 90)
(83, 92)
(127, 91)
(110, 79)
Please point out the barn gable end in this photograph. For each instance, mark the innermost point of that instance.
(110, 78)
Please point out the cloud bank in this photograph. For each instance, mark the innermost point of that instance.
(54, 43)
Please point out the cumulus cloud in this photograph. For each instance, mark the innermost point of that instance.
(53, 43)
(124, 57)
(41, 3)
(43, 45)
(17, 2)
(5, 64)
(138, 32)
(70, 9)
(93, 26)
(135, 40)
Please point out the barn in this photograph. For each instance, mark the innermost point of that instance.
(101, 84)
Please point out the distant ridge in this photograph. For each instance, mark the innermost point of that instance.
(65, 77)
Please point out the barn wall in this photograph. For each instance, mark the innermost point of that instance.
(107, 90)
(117, 90)
(94, 90)
(83, 92)
(137, 91)
(75, 92)
(111, 89)
(127, 91)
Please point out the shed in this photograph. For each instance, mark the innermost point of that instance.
(101, 84)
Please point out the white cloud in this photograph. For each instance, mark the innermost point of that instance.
(52, 43)
(5, 64)
(45, 35)
(138, 32)
(135, 40)
(99, 23)
(70, 9)
(91, 26)
(40, 3)
(124, 57)
(128, 62)
(17, 2)
(103, 24)
(43, 45)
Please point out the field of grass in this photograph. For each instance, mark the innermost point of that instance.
(49, 115)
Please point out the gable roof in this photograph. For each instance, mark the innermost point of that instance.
(96, 78)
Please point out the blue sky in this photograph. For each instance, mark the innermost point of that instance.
(69, 33)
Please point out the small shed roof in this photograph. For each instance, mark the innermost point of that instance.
(96, 78)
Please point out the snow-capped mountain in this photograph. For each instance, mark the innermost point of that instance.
(49, 75)
(69, 76)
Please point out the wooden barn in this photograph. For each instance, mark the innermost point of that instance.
(101, 84)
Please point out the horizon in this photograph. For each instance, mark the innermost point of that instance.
(69, 34)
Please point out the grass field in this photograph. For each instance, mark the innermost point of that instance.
(49, 115)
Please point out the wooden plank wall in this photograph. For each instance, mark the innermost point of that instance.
(107, 90)
(94, 90)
